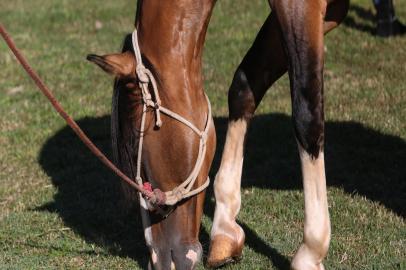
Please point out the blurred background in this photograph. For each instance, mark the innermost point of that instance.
(59, 207)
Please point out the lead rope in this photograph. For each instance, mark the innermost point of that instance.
(145, 77)
(68, 119)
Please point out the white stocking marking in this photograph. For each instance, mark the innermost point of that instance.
(228, 181)
(317, 222)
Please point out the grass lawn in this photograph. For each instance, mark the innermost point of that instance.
(59, 205)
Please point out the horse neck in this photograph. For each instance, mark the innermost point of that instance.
(171, 36)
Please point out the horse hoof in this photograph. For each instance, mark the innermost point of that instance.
(224, 250)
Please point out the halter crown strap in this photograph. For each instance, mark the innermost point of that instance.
(145, 77)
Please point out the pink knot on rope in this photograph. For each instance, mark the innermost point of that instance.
(147, 186)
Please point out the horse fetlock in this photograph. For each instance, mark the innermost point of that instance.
(311, 254)
(304, 261)
(318, 241)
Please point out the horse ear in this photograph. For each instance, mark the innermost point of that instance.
(119, 64)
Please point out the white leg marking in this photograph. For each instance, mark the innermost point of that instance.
(228, 181)
(192, 255)
(317, 222)
(146, 222)
(154, 257)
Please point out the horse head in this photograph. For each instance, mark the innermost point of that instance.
(171, 152)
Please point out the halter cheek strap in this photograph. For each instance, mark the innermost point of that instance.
(184, 190)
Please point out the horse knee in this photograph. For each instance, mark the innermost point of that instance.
(241, 101)
(309, 126)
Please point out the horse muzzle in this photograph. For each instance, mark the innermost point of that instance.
(179, 256)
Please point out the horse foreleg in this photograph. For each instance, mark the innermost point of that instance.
(264, 63)
(302, 26)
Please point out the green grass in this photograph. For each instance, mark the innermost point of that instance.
(58, 205)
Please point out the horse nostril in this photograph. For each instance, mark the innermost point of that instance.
(160, 258)
(154, 257)
(178, 256)
(187, 256)
(192, 255)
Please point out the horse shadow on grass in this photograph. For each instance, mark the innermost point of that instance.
(361, 19)
(359, 160)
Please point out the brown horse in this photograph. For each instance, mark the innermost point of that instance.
(172, 35)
